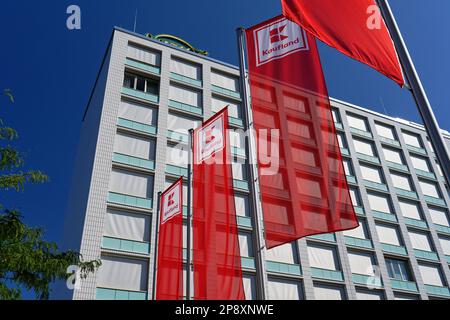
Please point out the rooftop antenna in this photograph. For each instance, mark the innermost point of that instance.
(135, 21)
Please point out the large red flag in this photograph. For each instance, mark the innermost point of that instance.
(169, 282)
(303, 186)
(354, 27)
(217, 258)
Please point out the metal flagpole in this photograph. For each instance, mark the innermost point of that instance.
(189, 215)
(417, 90)
(155, 262)
(248, 119)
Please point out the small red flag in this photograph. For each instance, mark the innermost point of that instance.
(354, 27)
(216, 256)
(169, 282)
(303, 186)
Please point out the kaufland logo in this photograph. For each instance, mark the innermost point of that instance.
(279, 39)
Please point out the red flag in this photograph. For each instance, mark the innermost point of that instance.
(169, 282)
(354, 27)
(217, 258)
(303, 186)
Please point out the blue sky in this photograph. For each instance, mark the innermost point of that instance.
(51, 71)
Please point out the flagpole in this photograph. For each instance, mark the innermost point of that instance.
(417, 90)
(155, 261)
(248, 119)
(189, 215)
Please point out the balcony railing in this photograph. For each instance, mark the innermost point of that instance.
(114, 294)
(133, 161)
(241, 184)
(367, 280)
(443, 229)
(416, 149)
(376, 185)
(143, 66)
(327, 274)
(397, 166)
(329, 237)
(129, 200)
(177, 136)
(390, 248)
(285, 268)
(368, 158)
(356, 242)
(425, 174)
(384, 216)
(185, 107)
(404, 285)
(406, 193)
(145, 128)
(391, 142)
(125, 245)
(226, 92)
(428, 255)
(184, 79)
(416, 223)
(436, 201)
(436, 290)
(362, 133)
(141, 95)
(176, 171)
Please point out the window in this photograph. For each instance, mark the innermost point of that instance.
(371, 174)
(186, 96)
(364, 147)
(412, 139)
(439, 217)
(126, 225)
(246, 244)
(359, 233)
(429, 144)
(336, 116)
(410, 210)
(322, 257)
(402, 296)
(445, 244)
(429, 189)
(242, 205)
(185, 68)
(356, 200)
(228, 82)
(234, 109)
(398, 269)
(357, 122)
(348, 168)
(388, 234)
(420, 163)
(130, 183)
(328, 292)
(134, 146)
(369, 295)
(138, 113)
(237, 138)
(181, 124)
(285, 254)
(380, 203)
(249, 286)
(122, 274)
(393, 155)
(169, 183)
(439, 169)
(341, 141)
(385, 131)
(283, 289)
(361, 263)
(139, 83)
(431, 275)
(401, 181)
(144, 55)
(420, 240)
(177, 156)
(239, 170)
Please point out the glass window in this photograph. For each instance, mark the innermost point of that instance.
(126, 225)
(439, 217)
(388, 234)
(393, 155)
(420, 240)
(385, 131)
(356, 200)
(130, 183)
(222, 80)
(431, 275)
(445, 244)
(134, 146)
(246, 244)
(128, 81)
(328, 292)
(336, 116)
(186, 68)
(357, 122)
(249, 282)
(380, 203)
(234, 109)
(364, 147)
(186, 96)
(369, 295)
(410, 209)
(322, 257)
(138, 113)
(439, 169)
(401, 181)
(242, 205)
(412, 139)
(359, 233)
(285, 254)
(398, 269)
(348, 167)
(371, 174)
(143, 54)
(420, 163)
(429, 189)
(361, 263)
(341, 141)
(284, 289)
